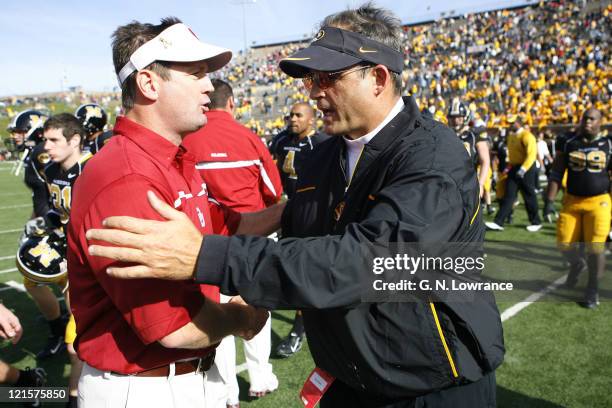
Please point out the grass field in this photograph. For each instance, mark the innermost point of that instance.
(558, 354)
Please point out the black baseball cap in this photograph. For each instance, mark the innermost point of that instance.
(334, 49)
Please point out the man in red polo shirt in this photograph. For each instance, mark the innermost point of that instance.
(241, 174)
(147, 342)
(237, 167)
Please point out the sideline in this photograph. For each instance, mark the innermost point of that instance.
(11, 230)
(8, 207)
(529, 300)
(8, 270)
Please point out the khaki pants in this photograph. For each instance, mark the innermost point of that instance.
(103, 389)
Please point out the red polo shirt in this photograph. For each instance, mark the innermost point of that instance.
(119, 322)
(237, 167)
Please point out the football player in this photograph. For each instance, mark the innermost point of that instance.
(585, 214)
(476, 143)
(63, 138)
(500, 163)
(289, 149)
(26, 131)
(293, 144)
(94, 119)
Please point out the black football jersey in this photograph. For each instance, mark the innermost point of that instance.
(588, 163)
(59, 184)
(93, 146)
(470, 139)
(290, 153)
(559, 143)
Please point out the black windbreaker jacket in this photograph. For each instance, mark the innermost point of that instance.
(414, 182)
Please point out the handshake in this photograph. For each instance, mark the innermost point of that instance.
(249, 319)
(215, 321)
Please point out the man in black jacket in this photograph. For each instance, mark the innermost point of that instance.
(388, 176)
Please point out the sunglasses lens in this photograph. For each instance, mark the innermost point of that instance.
(325, 80)
(307, 81)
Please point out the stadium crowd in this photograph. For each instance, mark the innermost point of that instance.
(548, 61)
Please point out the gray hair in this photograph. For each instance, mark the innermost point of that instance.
(376, 23)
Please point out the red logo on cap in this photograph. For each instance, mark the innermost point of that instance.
(194, 34)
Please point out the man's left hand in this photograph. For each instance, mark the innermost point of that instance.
(10, 327)
(162, 249)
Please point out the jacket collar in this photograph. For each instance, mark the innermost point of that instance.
(403, 123)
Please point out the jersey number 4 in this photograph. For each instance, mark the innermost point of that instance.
(288, 164)
(594, 161)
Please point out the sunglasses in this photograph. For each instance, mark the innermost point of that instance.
(325, 80)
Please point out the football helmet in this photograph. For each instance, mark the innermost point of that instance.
(92, 117)
(458, 108)
(29, 122)
(42, 259)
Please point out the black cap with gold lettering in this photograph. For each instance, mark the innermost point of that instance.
(334, 49)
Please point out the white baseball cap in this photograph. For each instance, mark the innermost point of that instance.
(176, 43)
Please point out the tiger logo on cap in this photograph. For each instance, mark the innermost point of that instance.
(319, 35)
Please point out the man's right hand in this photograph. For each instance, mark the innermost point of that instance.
(159, 249)
(254, 320)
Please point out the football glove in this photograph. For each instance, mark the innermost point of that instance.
(549, 212)
(35, 227)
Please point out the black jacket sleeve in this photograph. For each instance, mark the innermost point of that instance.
(330, 271)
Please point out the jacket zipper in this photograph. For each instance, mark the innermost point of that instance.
(443, 340)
